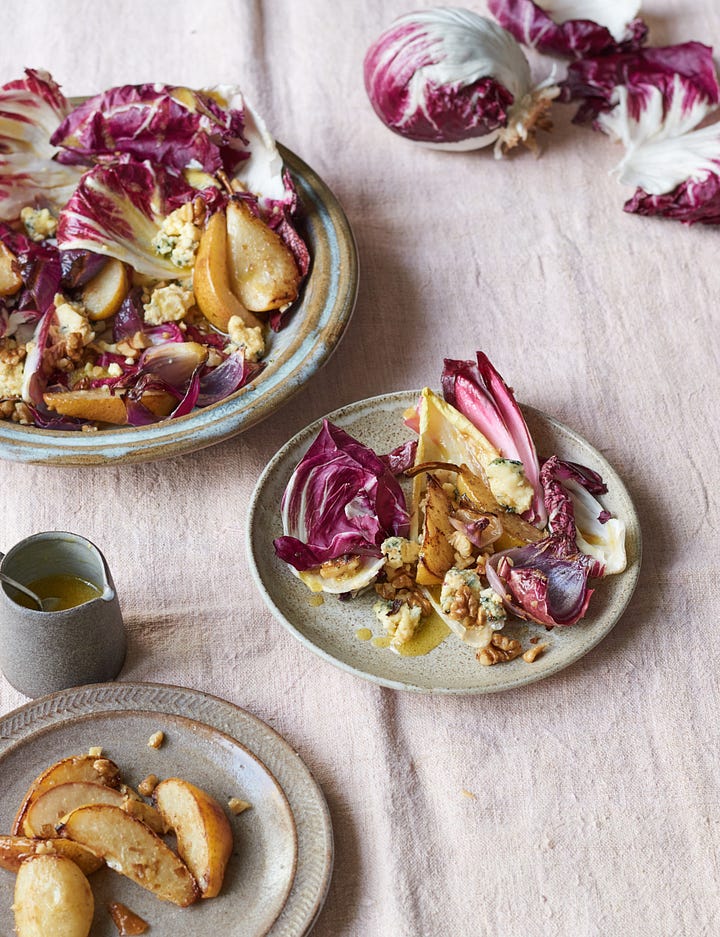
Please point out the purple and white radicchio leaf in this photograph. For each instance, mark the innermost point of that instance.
(118, 209)
(596, 532)
(480, 394)
(653, 101)
(30, 110)
(402, 457)
(572, 28)
(173, 127)
(34, 377)
(675, 85)
(450, 79)
(341, 499)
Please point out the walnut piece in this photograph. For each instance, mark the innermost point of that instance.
(148, 785)
(534, 652)
(95, 751)
(156, 739)
(237, 806)
(500, 649)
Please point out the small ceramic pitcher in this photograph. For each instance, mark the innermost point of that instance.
(45, 651)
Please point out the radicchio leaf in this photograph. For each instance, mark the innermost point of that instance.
(341, 499)
(39, 268)
(117, 210)
(684, 75)
(542, 582)
(402, 457)
(173, 127)
(481, 395)
(573, 28)
(30, 110)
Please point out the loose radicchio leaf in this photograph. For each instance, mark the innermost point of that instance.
(402, 457)
(341, 499)
(653, 101)
(684, 75)
(117, 210)
(481, 395)
(30, 110)
(572, 28)
(449, 78)
(173, 127)
(39, 268)
(79, 267)
(35, 377)
(595, 531)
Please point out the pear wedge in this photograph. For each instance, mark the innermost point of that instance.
(132, 849)
(263, 272)
(10, 280)
(211, 282)
(104, 294)
(204, 835)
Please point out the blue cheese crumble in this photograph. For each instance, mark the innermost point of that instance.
(509, 484)
(39, 223)
(400, 623)
(398, 551)
(168, 303)
(178, 237)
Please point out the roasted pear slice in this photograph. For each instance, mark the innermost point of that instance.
(204, 835)
(436, 552)
(516, 531)
(14, 850)
(101, 407)
(263, 272)
(104, 294)
(10, 279)
(132, 849)
(211, 282)
(91, 768)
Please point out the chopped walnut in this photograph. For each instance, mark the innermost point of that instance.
(534, 652)
(237, 806)
(11, 353)
(17, 411)
(108, 771)
(148, 785)
(465, 608)
(95, 752)
(500, 649)
(156, 739)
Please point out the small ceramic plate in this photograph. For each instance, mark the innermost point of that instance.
(279, 872)
(315, 327)
(330, 629)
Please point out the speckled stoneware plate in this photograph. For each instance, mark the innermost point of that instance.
(330, 629)
(279, 872)
(294, 355)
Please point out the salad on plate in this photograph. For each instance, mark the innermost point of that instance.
(147, 251)
(460, 530)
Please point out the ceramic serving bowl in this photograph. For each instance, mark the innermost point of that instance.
(294, 355)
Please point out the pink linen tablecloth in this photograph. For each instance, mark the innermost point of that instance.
(595, 792)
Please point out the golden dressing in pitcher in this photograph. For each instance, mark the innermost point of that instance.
(66, 591)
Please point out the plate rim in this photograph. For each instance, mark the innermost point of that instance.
(212, 425)
(301, 909)
(633, 571)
